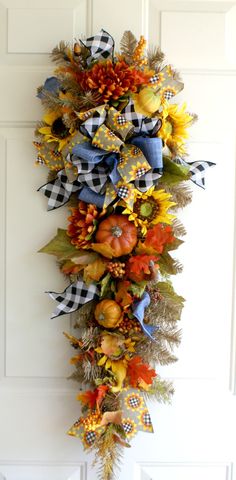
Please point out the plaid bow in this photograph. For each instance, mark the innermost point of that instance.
(99, 46)
(107, 167)
(73, 297)
(197, 170)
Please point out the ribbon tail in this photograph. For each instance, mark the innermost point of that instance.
(138, 312)
(196, 169)
(73, 297)
(59, 190)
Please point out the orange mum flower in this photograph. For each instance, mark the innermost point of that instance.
(141, 267)
(82, 224)
(113, 80)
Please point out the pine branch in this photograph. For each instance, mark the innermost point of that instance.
(127, 45)
(170, 336)
(108, 454)
(164, 357)
(161, 391)
(151, 352)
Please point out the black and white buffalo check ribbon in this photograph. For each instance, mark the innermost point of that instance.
(197, 170)
(73, 297)
(90, 126)
(142, 124)
(58, 191)
(100, 46)
(147, 180)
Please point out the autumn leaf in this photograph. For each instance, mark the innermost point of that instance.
(75, 342)
(93, 398)
(88, 398)
(104, 249)
(138, 371)
(142, 267)
(138, 289)
(60, 246)
(83, 258)
(123, 297)
(174, 173)
(95, 270)
(105, 286)
(119, 368)
(156, 239)
(70, 268)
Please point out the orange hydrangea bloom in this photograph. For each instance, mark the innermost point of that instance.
(113, 80)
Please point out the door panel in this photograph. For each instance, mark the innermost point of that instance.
(195, 436)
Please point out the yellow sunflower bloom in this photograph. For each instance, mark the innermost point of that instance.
(150, 208)
(175, 122)
(55, 130)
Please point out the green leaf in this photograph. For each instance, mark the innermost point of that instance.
(174, 245)
(169, 265)
(60, 246)
(167, 291)
(105, 285)
(137, 289)
(174, 173)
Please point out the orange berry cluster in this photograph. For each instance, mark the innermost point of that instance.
(91, 422)
(116, 269)
(139, 52)
(129, 324)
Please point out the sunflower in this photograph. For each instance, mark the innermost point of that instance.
(150, 208)
(55, 130)
(175, 122)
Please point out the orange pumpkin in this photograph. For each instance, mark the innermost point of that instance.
(108, 313)
(119, 233)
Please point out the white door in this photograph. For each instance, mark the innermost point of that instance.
(195, 437)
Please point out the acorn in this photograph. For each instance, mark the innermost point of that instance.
(77, 49)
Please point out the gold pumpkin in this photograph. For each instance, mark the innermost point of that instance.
(108, 313)
(147, 101)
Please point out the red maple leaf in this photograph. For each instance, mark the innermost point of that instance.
(93, 398)
(123, 297)
(138, 371)
(140, 267)
(158, 236)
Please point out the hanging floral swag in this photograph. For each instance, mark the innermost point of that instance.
(114, 144)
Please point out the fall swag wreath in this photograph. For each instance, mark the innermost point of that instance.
(114, 144)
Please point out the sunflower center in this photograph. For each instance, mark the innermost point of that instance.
(59, 129)
(146, 209)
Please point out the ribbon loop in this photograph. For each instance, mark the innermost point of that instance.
(99, 46)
